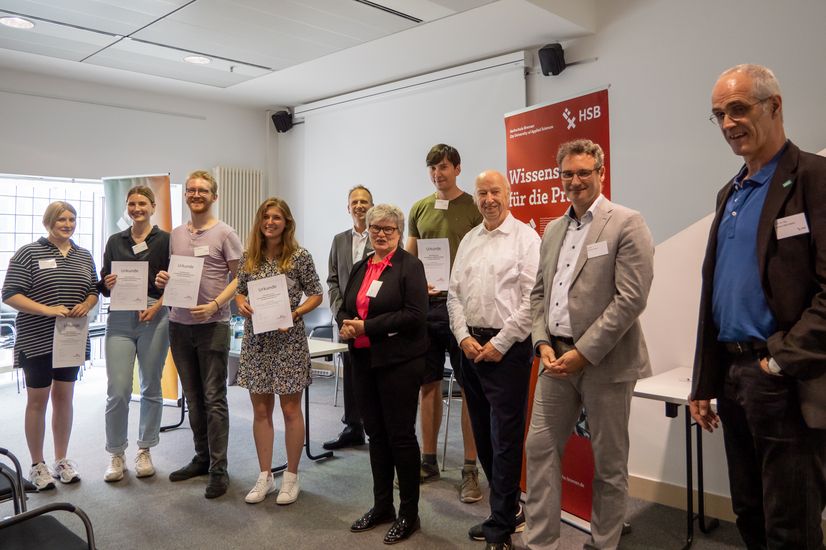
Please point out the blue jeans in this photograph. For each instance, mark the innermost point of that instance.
(126, 338)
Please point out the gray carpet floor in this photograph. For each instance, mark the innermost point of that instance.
(153, 513)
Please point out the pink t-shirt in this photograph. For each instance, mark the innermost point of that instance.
(224, 246)
(374, 271)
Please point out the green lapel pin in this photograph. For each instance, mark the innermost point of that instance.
(787, 183)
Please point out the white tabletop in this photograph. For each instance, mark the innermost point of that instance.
(320, 348)
(672, 386)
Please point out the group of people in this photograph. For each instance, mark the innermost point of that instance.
(570, 300)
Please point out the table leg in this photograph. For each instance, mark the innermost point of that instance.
(713, 523)
(182, 402)
(689, 483)
(311, 456)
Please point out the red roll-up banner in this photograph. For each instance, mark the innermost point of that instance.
(533, 137)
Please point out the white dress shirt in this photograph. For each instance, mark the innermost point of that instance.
(359, 242)
(491, 282)
(559, 318)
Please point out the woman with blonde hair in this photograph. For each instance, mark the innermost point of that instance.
(276, 362)
(51, 277)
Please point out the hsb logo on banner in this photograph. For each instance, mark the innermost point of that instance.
(533, 138)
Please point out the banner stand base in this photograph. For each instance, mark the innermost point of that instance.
(576, 521)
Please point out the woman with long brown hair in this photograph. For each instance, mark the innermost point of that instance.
(276, 362)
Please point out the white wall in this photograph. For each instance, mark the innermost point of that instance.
(58, 127)
(661, 59)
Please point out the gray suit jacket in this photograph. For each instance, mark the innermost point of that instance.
(339, 266)
(607, 294)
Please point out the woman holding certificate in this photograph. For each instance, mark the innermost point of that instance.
(52, 283)
(137, 326)
(273, 274)
(383, 318)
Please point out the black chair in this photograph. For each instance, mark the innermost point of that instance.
(12, 484)
(35, 530)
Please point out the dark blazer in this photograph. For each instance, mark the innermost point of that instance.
(793, 272)
(397, 317)
(339, 266)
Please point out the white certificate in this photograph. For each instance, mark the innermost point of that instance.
(435, 255)
(130, 290)
(69, 341)
(184, 281)
(270, 302)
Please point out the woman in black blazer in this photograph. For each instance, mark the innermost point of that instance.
(383, 319)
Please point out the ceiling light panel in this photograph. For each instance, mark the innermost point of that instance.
(54, 40)
(137, 56)
(273, 33)
(114, 16)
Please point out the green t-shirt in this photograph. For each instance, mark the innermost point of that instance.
(426, 222)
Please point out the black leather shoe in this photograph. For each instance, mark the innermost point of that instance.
(217, 486)
(349, 437)
(371, 519)
(194, 469)
(507, 545)
(401, 529)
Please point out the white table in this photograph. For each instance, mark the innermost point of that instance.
(673, 387)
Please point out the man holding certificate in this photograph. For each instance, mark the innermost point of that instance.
(275, 272)
(205, 252)
(137, 326)
(436, 225)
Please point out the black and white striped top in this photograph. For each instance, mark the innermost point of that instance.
(39, 272)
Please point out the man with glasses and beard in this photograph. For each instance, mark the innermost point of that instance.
(595, 270)
(199, 337)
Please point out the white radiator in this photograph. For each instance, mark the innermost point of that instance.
(240, 192)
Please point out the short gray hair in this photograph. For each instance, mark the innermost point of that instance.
(764, 83)
(53, 212)
(581, 147)
(387, 212)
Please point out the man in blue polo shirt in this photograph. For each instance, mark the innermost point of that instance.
(761, 342)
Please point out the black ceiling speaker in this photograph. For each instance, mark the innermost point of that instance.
(552, 59)
(283, 121)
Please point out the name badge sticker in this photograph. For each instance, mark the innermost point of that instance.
(597, 249)
(201, 250)
(140, 247)
(373, 291)
(51, 263)
(442, 204)
(791, 226)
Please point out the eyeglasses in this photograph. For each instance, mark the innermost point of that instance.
(568, 175)
(199, 192)
(386, 229)
(735, 111)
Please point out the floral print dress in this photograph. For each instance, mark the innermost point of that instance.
(278, 362)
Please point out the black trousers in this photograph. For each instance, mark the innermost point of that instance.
(388, 398)
(201, 353)
(496, 395)
(775, 462)
(351, 417)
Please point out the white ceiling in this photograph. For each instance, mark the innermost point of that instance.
(275, 53)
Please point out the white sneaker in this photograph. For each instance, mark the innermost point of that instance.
(289, 489)
(263, 487)
(41, 477)
(114, 472)
(143, 464)
(65, 471)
